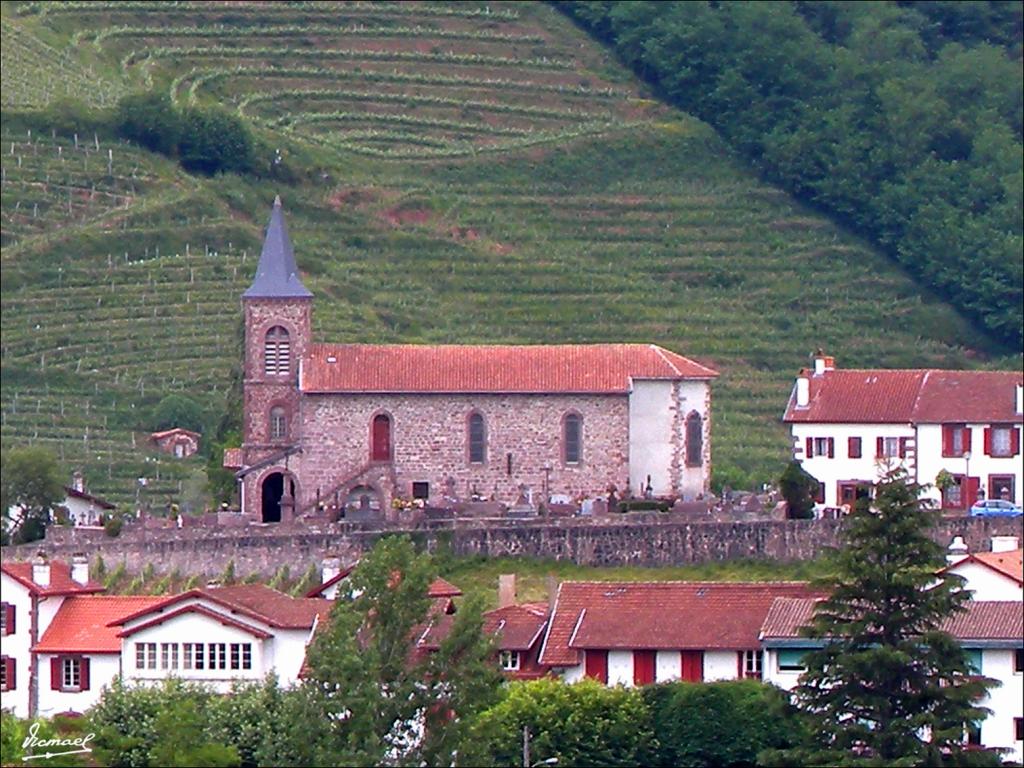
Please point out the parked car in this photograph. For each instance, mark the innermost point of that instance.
(996, 508)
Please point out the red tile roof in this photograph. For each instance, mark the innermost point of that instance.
(908, 397)
(982, 620)
(61, 582)
(659, 615)
(175, 431)
(576, 368)
(441, 588)
(518, 627)
(232, 458)
(256, 601)
(1007, 563)
(81, 623)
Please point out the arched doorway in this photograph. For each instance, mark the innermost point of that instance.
(273, 490)
(380, 443)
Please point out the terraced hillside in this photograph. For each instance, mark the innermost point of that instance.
(479, 172)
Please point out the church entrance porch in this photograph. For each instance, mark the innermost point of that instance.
(273, 494)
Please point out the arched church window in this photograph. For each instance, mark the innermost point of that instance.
(477, 438)
(278, 423)
(572, 438)
(694, 440)
(277, 357)
(380, 438)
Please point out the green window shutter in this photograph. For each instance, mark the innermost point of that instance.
(973, 660)
(792, 659)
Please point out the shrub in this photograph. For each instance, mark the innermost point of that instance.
(149, 119)
(112, 526)
(798, 488)
(177, 411)
(214, 140)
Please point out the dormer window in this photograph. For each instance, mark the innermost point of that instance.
(277, 356)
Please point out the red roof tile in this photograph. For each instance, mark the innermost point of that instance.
(908, 397)
(577, 368)
(232, 458)
(659, 615)
(81, 623)
(441, 588)
(1007, 563)
(175, 431)
(256, 601)
(982, 620)
(61, 582)
(518, 627)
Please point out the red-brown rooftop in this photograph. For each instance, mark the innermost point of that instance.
(565, 368)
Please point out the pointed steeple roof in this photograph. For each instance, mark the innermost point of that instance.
(277, 276)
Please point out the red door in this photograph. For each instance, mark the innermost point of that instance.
(970, 492)
(693, 666)
(643, 667)
(597, 665)
(380, 450)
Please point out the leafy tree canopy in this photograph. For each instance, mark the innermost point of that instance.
(799, 489)
(31, 482)
(177, 410)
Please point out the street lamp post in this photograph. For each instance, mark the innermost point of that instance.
(967, 480)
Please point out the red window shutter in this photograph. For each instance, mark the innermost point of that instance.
(597, 665)
(643, 667)
(879, 447)
(12, 682)
(809, 448)
(967, 439)
(692, 663)
(9, 619)
(903, 447)
(84, 673)
(55, 680)
(853, 447)
(831, 448)
(739, 665)
(947, 440)
(988, 441)
(1014, 441)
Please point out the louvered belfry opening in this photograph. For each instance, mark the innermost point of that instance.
(276, 352)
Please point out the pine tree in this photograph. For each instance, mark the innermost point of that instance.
(889, 687)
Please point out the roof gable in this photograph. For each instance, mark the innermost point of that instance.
(1009, 564)
(61, 582)
(202, 610)
(500, 369)
(518, 627)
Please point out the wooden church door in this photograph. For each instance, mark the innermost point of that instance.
(380, 449)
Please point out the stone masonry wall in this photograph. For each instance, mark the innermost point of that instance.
(263, 550)
(430, 443)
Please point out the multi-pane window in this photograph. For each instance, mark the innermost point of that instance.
(5, 676)
(509, 660)
(694, 440)
(241, 656)
(218, 654)
(71, 673)
(477, 439)
(6, 619)
(573, 438)
(751, 664)
(145, 655)
(278, 423)
(956, 439)
(276, 352)
(168, 655)
(892, 447)
(1001, 442)
(820, 446)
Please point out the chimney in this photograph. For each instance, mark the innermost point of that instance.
(957, 551)
(506, 590)
(803, 390)
(1005, 543)
(1019, 399)
(41, 569)
(78, 482)
(330, 568)
(80, 568)
(823, 362)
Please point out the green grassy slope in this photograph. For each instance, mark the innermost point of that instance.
(483, 172)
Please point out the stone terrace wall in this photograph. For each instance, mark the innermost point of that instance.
(264, 549)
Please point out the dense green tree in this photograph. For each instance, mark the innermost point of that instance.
(376, 700)
(799, 489)
(888, 688)
(584, 724)
(718, 725)
(215, 140)
(31, 483)
(150, 119)
(176, 410)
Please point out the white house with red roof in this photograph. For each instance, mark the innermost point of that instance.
(216, 635)
(178, 441)
(84, 508)
(635, 633)
(995, 575)
(32, 595)
(991, 631)
(353, 426)
(850, 426)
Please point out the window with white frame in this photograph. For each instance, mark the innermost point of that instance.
(218, 654)
(6, 619)
(71, 673)
(509, 660)
(1002, 442)
(145, 655)
(6, 673)
(792, 660)
(192, 656)
(278, 423)
(241, 656)
(752, 664)
(168, 655)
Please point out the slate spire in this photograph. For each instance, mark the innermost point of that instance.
(277, 276)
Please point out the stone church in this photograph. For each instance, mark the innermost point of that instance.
(361, 428)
